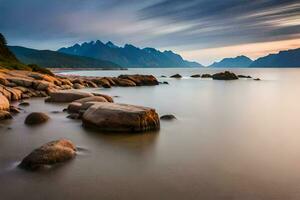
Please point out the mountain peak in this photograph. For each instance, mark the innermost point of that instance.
(111, 45)
(238, 61)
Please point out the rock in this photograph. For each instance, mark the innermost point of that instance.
(94, 99)
(21, 81)
(49, 154)
(125, 82)
(120, 118)
(42, 85)
(74, 107)
(167, 117)
(5, 115)
(14, 109)
(225, 76)
(243, 76)
(24, 104)
(108, 98)
(206, 76)
(74, 116)
(165, 82)
(141, 80)
(176, 76)
(256, 79)
(196, 76)
(4, 103)
(163, 76)
(78, 86)
(67, 96)
(36, 118)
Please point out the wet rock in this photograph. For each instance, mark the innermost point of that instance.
(120, 118)
(24, 104)
(165, 82)
(94, 99)
(225, 76)
(167, 117)
(176, 76)
(49, 154)
(196, 76)
(67, 96)
(256, 79)
(163, 76)
(206, 76)
(5, 115)
(74, 107)
(36, 118)
(4, 103)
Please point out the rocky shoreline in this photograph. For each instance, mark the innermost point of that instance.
(95, 110)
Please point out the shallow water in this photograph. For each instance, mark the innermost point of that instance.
(231, 140)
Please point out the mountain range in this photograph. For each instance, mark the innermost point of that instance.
(239, 61)
(283, 59)
(129, 55)
(47, 58)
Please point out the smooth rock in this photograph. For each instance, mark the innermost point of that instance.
(4, 103)
(176, 76)
(5, 115)
(141, 80)
(167, 117)
(120, 118)
(206, 76)
(36, 118)
(49, 154)
(94, 99)
(196, 76)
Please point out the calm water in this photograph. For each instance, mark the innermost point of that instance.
(232, 140)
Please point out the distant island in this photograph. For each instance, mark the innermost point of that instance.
(239, 61)
(129, 55)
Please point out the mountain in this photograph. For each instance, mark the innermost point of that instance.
(6, 56)
(129, 55)
(47, 58)
(239, 61)
(289, 58)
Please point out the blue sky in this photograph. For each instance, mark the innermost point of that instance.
(200, 30)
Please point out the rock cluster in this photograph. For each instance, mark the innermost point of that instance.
(225, 76)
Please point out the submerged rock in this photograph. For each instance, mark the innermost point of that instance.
(49, 154)
(120, 118)
(74, 116)
(257, 79)
(167, 117)
(225, 76)
(14, 109)
(36, 118)
(176, 76)
(78, 86)
(243, 76)
(67, 96)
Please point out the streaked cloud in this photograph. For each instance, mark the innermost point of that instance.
(184, 25)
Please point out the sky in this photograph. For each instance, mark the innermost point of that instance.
(199, 30)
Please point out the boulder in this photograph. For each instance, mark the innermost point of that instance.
(125, 82)
(67, 96)
(167, 117)
(36, 118)
(225, 76)
(94, 99)
(74, 116)
(108, 98)
(4, 103)
(141, 80)
(120, 118)
(49, 154)
(176, 76)
(74, 107)
(5, 115)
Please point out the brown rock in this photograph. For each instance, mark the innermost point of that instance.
(121, 118)
(78, 86)
(176, 76)
(125, 82)
(36, 118)
(5, 115)
(141, 80)
(4, 103)
(108, 98)
(49, 154)
(225, 76)
(67, 96)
